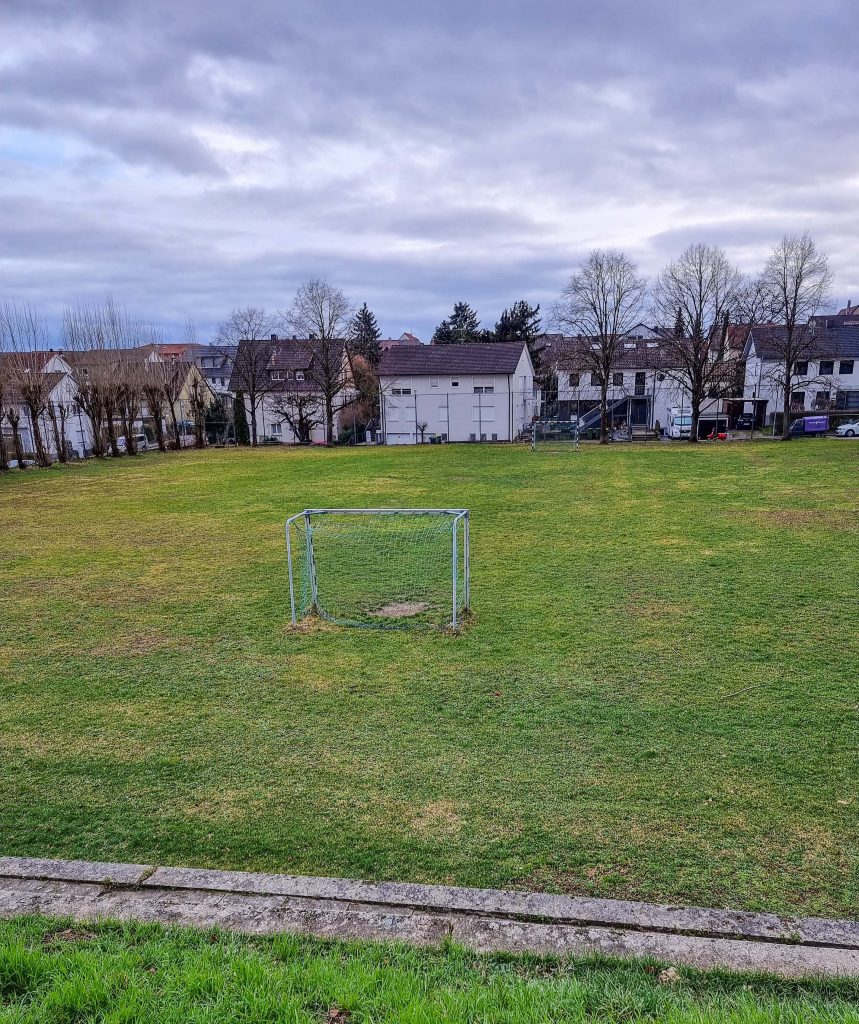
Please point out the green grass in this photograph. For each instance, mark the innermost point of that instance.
(53, 973)
(656, 698)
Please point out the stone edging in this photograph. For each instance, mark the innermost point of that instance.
(483, 919)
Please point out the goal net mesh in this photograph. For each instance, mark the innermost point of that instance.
(555, 436)
(379, 569)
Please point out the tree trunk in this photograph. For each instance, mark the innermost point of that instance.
(604, 411)
(59, 441)
(16, 440)
(695, 400)
(253, 399)
(175, 423)
(785, 417)
(111, 436)
(128, 428)
(42, 458)
(329, 420)
(4, 458)
(158, 427)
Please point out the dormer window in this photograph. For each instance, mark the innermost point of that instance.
(299, 374)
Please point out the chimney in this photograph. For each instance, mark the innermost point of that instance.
(274, 337)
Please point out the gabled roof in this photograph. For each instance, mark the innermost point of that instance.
(423, 360)
(840, 342)
(573, 354)
(12, 396)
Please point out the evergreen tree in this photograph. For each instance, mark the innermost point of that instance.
(461, 327)
(521, 322)
(364, 336)
(679, 325)
(240, 419)
(443, 334)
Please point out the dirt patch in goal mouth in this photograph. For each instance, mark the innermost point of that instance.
(401, 609)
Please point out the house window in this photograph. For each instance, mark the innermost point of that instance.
(595, 380)
(276, 375)
(485, 389)
(797, 399)
(299, 374)
(574, 380)
(802, 368)
(276, 429)
(822, 400)
(455, 384)
(845, 366)
(433, 382)
(401, 391)
(617, 380)
(827, 366)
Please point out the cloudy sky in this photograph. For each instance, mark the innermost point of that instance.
(192, 156)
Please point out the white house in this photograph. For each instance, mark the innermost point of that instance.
(472, 392)
(827, 378)
(287, 377)
(642, 386)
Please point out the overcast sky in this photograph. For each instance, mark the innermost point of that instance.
(192, 156)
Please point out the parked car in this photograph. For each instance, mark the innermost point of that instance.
(807, 426)
(140, 443)
(745, 421)
(848, 429)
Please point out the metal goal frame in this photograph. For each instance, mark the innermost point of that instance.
(459, 522)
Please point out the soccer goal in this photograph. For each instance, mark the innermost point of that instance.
(555, 435)
(386, 568)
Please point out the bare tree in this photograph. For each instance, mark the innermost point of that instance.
(797, 278)
(200, 399)
(698, 290)
(58, 413)
(320, 318)
(26, 340)
(602, 301)
(302, 410)
(85, 343)
(247, 332)
(4, 394)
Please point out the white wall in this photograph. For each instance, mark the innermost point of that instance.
(764, 375)
(465, 407)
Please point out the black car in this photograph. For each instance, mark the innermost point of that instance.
(745, 421)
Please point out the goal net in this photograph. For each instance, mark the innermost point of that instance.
(555, 436)
(383, 568)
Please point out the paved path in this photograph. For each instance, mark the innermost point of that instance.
(486, 920)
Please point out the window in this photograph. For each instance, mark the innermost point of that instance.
(574, 380)
(433, 382)
(455, 384)
(617, 380)
(401, 391)
(827, 366)
(802, 368)
(276, 375)
(276, 429)
(484, 389)
(845, 366)
(299, 374)
(797, 399)
(595, 380)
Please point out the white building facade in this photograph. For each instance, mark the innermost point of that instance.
(473, 392)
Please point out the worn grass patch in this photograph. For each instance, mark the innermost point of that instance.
(655, 697)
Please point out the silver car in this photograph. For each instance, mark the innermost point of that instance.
(848, 429)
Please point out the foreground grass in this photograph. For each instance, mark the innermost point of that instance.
(57, 972)
(656, 699)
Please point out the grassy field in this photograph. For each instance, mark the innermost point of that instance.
(656, 698)
(52, 973)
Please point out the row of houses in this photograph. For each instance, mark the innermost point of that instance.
(300, 390)
(61, 420)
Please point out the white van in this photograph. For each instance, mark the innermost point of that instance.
(679, 423)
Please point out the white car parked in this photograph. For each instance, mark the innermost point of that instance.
(850, 429)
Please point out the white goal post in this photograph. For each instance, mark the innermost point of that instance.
(380, 568)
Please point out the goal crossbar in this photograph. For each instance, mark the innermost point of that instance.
(460, 557)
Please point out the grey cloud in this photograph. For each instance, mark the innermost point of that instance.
(196, 156)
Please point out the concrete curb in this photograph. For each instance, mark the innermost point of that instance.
(483, 919)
